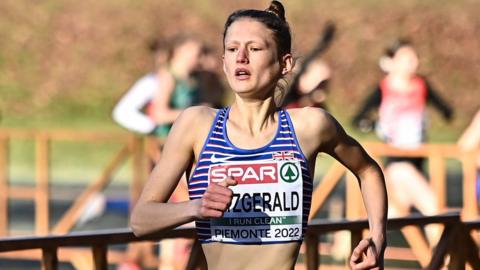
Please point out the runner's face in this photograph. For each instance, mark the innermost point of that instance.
(250, 61)
(405, 61)
(189, 53)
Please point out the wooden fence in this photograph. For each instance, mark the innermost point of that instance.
(40, 194)
(435, 153)
(143, 149)
(455, 242)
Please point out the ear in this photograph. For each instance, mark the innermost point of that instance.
(223, 64)
(287, 64)
(385, 64)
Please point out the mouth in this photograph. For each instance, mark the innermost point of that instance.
(242, 74)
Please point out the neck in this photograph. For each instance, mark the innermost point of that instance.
(253, 116)
(401, 76)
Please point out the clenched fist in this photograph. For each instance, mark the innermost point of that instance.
(216, 199)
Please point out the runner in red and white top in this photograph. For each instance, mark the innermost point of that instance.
(401, 98)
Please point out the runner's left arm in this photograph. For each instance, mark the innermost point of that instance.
(438, 102)
(336, 142)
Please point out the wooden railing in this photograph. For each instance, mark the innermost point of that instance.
(435, 153)
(455, 242)
(40, 194)
(455, 234)
(143, 149)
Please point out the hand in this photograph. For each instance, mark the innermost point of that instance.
(367, 255)
(365, 125)
(216, 199)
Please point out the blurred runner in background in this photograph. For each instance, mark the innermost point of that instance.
(401, 99)
(154, 102)
(310, 89)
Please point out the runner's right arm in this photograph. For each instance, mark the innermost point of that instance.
(128, 111)
(152, 212)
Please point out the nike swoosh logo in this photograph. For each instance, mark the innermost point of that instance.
(215, 159)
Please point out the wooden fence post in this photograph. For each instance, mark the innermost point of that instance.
(355, 238)
(49, 259)
(3, 185)
(438, 255)
(100, 257)
(313, 261)
(196, 260)
(41, 191)
(137, 168)
(470, 208)
(437, 177)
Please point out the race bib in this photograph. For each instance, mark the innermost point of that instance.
(267, 204)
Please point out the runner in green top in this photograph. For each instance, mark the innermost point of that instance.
(185, 94)
(178, 88)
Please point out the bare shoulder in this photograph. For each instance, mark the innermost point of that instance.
(314, 128)
(193, 124)
(199, 113)
(195, 117)
(312, 121)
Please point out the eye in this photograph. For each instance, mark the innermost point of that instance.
(255, 49)
(231, 49)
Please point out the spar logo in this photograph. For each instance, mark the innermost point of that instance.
(289, 172)
(245, 173)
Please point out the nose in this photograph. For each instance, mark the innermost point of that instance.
(242, 56)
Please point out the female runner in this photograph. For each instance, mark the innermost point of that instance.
(250, 165)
